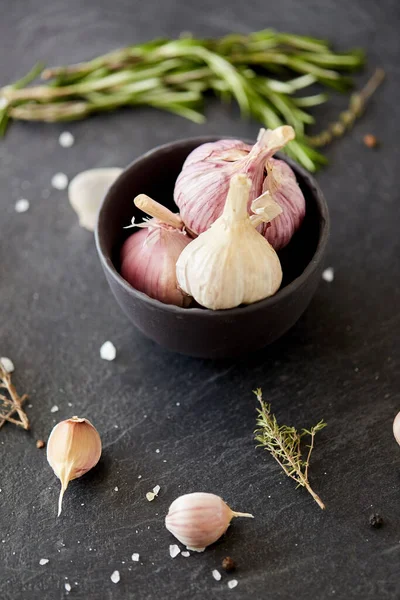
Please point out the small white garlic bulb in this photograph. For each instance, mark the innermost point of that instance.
(199, 519)
(86, 192)
(232, 263)
(73, 448)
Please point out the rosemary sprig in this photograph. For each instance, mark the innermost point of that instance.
(12, 403)
(284, 443)
(266, 72)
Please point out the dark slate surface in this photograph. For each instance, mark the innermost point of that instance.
(340, 362)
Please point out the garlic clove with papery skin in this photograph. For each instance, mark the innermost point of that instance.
(231, 263)
(86, 192)
(199, 519)
(281, 184)
(396, 428)
(73, 448)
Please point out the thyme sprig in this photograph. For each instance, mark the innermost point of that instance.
(11, 403)
(266, 72)
(285, 445)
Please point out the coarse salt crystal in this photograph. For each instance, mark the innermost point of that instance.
(135, 557)
(328, 275)
(115, 577)
(7, 363)
(67, 587)
(185, 553)
(217, 575)
(150, 496)
(66, 139)
(43, 561)
(232, 583)
(108, 351)
(156, 489)
(59, 181)
(54, 409)
(22, 205)
(158, 451)
(174, 550)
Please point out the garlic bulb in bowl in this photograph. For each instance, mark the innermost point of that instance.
(148, 257)
(231, 263)
(203, 183)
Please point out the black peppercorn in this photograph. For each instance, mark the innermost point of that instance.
(228, 564)
(376, 520)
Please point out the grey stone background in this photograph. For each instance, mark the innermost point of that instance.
(340, 362)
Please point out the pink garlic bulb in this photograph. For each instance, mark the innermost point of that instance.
(282, 186)
(203, 183)
(202, 186)
(148, 257)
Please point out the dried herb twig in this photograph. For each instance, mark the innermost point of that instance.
(13, 403)
(284, 443)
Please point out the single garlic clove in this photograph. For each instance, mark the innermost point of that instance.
(86, 192)
(199, 519)
(396, 428)
(73, 448)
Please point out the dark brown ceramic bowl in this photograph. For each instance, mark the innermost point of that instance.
(196, 331)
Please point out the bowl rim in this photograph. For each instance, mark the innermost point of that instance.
(281, 294)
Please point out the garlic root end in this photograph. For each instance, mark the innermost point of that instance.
(61, 496)
(240, 514)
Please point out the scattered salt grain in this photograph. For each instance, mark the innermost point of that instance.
(135, 557)
(116, 489)
(67, 587)
(115, 577)
(69, 404)
(54, 409)
(108, 351)
(185, 553)
(7, 363)
(158, 451)
(22, 205)
(43, 561)
(232, 583)
(174, 550)
(139, 477)
(66, 139)
(178, 403)
(328, 275)
(217, 575)
(59, 181)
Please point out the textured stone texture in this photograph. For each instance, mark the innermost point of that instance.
(340, 362)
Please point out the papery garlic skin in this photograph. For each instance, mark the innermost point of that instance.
(281, 184)
(231, 263)
(74, 447)
(148, 262)
(86, 192)
(199, 519)
(202, 186)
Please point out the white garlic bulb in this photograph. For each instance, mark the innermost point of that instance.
(86, 192)
(199, 519)
(231, 263)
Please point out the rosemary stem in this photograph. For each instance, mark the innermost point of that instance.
(315, 496)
